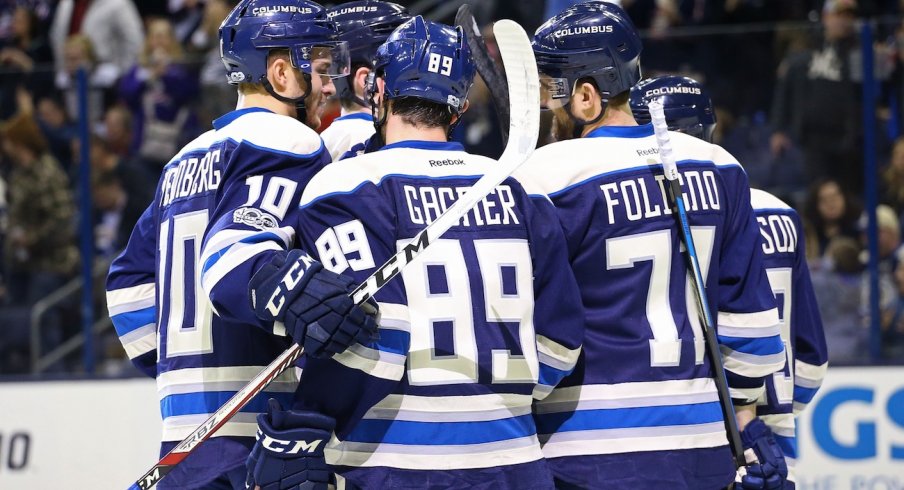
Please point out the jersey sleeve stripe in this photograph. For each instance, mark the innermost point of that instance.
(557, 355)
(746, 396)
(808, 375)
(140, 341)
(221, 246)
(768, 346)
(626, 395)
(196, 403)
(133, 320)
(172, 382)
(130, 298)
(760, 319)
(237, 255)
(751, 365)
(750, 332)
(373, 362)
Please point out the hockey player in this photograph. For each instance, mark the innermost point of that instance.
(282, 55)
(689, 109)
(488, 317)
(364, 25)
(641, 409)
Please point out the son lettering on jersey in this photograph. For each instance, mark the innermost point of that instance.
(191, 176)
(779, 233)
(645, 197)
(426, 203)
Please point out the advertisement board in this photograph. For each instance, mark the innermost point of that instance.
(852, 434)
(77, 434)
(105, 434)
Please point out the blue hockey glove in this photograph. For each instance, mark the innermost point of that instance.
(288, 454)
(313, 304)
(766, 467)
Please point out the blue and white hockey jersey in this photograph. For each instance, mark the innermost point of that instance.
(487, 318)
(641, 407)
(162, 316)
(346, 131)
(791, 389)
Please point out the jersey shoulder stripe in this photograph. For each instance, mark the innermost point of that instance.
(762, 200)
(611, 156)
(346, 176)
(273, 133)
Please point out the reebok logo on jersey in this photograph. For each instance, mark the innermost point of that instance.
(281, 9)
(447, 162)
(672, 90)
(255, 218)
(288, 447)
(574, 31)
(647, 152)
(351, 10)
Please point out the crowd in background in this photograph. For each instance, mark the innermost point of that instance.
(786, 78)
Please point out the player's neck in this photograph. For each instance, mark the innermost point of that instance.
(398, 130)
(619, 115)
(263, 101)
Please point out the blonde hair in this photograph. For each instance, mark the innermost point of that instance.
(174, 50)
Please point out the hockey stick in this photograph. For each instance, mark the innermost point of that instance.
(670, 167)
(486, 67)
(524, 85)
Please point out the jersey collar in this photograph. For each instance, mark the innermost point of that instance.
(356, 115)
(224, 120)
(641, 131)
(427, 145)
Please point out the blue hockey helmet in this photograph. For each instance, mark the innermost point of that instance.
(364, 25)
(255, 27)
(687, 106)
(427, 60)
(595, 40)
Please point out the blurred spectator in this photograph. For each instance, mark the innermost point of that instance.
(187, 16)
(891, 185)
(26, 60)
(217, 96)
(816, 103)
(113, 26)
(829, 211)
(893, 320)
(837, 285)
(122, 188)
(109, 202)
(55, 125)
(118, 130)
(40, 245)
(79, 54)
(159, 90)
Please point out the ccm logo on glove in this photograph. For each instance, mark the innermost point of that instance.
(288, 283)
(287, 447)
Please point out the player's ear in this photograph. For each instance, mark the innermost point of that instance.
(278, 72)
(360, 78)
(586, 94)
(464, 108)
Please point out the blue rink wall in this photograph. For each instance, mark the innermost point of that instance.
(104, 434)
